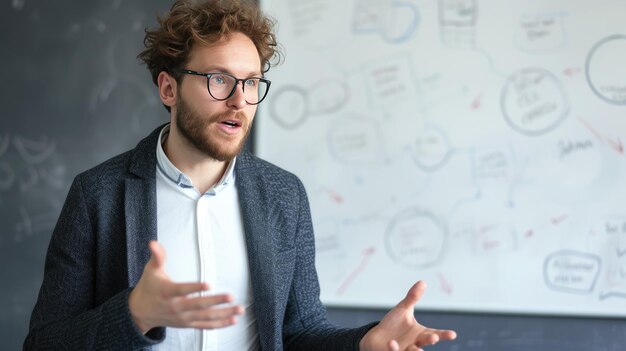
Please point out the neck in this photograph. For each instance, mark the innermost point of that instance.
(204, 171)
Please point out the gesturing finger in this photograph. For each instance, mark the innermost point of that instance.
(446, 334)
(213, 324)
(197, 303)
(184, 289)
(427, 338)
(213, 314)
(157, 258)
(413, 295)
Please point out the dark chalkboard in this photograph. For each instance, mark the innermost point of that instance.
(74, 95)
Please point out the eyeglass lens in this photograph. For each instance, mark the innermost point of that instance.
(222, 86)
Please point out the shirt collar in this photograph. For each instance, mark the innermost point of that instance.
(167, 168)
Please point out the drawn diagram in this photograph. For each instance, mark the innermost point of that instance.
(457, 22)
(431, 149)
(30, 168)
(356, 140)
(604, 69)
(534, 102)
(572, 271)
(395, 21)
(540, 33)
(293, 104)
(472, 144)
(415, 238)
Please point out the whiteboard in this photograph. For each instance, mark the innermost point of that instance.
(477, 145)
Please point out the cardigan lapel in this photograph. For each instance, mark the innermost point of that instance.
(140, 206)
(261, 255)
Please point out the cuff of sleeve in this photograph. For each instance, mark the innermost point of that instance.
(122, 320)
(363, 330)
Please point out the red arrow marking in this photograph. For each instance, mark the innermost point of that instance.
(558, 220)
(476, 103)
(570, 72)
(615, 144)
(334, 196)
(367, 253)
(447, 288)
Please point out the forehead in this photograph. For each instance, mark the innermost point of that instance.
(235, 53)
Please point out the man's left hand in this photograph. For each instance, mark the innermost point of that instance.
(399, 331)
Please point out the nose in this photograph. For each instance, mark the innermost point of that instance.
(238, 100)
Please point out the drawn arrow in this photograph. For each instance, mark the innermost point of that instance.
(571, 71)
(476, 103)
(615, 144)
(558, 220)
(367, 253)
(604, 296)
(445, 286)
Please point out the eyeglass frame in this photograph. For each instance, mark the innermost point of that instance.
(237, 80)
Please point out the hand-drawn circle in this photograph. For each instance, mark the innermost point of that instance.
(289, 107)
(415, 238)
(604, 69)
(432, 149)
(571, 271)
(401, 8)
(533, 101)
(328, 96)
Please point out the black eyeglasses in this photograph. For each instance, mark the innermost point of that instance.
(222, 86)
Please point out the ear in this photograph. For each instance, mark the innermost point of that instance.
(167, 89)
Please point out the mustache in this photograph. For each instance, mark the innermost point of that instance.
(239, 115)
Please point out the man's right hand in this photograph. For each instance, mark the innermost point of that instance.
(156, 301)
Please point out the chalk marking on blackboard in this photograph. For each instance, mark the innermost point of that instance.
(25, 226)
(30, 224)
(27, 183)
(367, 253)
(4, 144)
(614, 144)
(34, 151)
(18, 4)
(7, 176)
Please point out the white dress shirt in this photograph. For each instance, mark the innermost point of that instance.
(204, 241)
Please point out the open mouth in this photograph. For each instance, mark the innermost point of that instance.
(231, 124)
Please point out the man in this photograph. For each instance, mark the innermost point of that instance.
(223, 216)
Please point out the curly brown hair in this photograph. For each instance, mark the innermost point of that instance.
(204, 22)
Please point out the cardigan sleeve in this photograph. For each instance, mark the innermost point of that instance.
(306, 326)
(65, 316)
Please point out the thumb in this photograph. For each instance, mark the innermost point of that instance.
(157, 259)
(413, 295)
(393, 346)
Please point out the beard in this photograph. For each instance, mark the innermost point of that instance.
(196, 129)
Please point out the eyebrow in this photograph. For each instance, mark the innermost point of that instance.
(216, 68)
